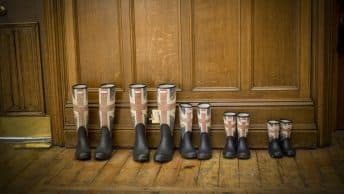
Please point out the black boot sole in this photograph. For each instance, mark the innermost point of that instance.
(83, 156)
(162, 158)
(229, 155)
(190, 155)
(141, 157)
(243, 156)
(204, 156)
(102, 156)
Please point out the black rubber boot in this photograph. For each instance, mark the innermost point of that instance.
(141, 151)
(287, 149)
(229, 151)
(82, 151)
(104, 149)
(204, 150)
(274, 149)
(164, 153)
(243, 152)
(186, 149)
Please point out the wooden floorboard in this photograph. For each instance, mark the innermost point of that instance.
(55, 170)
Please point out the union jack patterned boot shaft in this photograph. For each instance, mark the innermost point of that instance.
(285, 132)
(229, 150)
(185, 117)
(273, 135)
(204, 122)
(166, 98)
(138, 111)
(106, 117)
(243, 122)
(80, 110)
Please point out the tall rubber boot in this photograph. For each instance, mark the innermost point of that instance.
(230, 148)
(285, 132)
(166, 98)
(204, 122)
(243, 122)
(106, 117)
(80, 109)
(185, 117)
(138, 111)
(273, 135)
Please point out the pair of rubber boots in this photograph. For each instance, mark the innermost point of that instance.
(204, 117)
(187, 151)
(166, 99)
(279, 138)
(103, 150)
(106, 116)
(236, 128)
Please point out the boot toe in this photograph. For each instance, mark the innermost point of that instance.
(189, 155)
(102, 156)
(244, 155)
(204, 155)
(83, 156)
(290, 153)
(229, 155)
(162, 158)
(141, 157)
(276, 154)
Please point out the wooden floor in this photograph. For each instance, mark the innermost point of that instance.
(55, 171)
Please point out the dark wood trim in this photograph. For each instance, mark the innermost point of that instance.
(323, 53)
(51, 63)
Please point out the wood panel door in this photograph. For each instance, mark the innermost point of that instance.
(241, 55)
(27, 71)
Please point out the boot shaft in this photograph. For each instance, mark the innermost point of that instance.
(243, 123)
(185, 118)
(80, 105)
(229, 119)
(285, 128)
(166, 98)
(107, 105)
(273, 127)
(204, 117)
(138, 103)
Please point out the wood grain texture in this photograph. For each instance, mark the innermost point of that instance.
(216, 39)
(21, 70)
(157, 42)
(311, 171)
(276, 31)
(99, 42)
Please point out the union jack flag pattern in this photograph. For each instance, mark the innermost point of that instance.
(167, 104)
(204, 117)
(185, 118)
(273, 129)
(286, 127)
(80, 105)
(107, 105)
(243, 122)
(138, 103)
(229, 119)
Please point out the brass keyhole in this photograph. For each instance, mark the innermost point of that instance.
(3, 10)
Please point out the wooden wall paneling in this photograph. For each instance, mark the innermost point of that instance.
(9, 97)
(98, 42)
(52, 60)
(275, 44)
(21, 68)
(216, 43)
(323, 53)
(157, 42)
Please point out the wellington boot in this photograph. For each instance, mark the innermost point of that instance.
(141, 151)
(104, 149)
